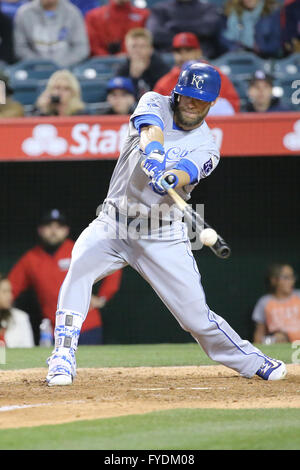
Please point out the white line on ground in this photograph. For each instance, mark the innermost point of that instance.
(177, 388)
(36, 405)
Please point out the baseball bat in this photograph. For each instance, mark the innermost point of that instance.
(220, 248)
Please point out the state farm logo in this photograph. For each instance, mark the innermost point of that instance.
(44, 140)
(292, 140)
(83, 139)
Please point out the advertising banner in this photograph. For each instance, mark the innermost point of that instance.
(101, 137)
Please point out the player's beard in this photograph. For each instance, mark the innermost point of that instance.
(189, 123)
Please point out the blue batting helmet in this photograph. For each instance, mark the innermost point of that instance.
(198, 80)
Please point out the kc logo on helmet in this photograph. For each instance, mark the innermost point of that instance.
(198, 81)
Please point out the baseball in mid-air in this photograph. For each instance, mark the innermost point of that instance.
(208, 237)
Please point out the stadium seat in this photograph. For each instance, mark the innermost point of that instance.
(26, 92)
(240, 64)
(241, 87)
(38, 69)
(3, 66)
(145, 3)
(287, 67)
(168, 58)
(217, 3)
(93, 91)
(98, 67)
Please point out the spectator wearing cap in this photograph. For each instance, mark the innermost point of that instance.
(252, 25)
(143, 65)
(171, 17)
(260, 95)
(186, 47)
(6, 39)
(11, 108)
(290, 26)
(121, 97)
(51, 29)
(108, 25)
(44, 267)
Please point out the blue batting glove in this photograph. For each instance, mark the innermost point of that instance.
(156, 182)
(154, 163)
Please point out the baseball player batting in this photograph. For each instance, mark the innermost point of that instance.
(168, 139)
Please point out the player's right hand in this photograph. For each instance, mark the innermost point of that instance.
(154, 163)
(156, 183)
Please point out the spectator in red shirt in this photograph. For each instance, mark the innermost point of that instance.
(107, 26)
(44, 268)
(186, 47)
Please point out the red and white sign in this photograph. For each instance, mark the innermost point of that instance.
(101, 137)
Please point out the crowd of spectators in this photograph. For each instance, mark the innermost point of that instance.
(69, 32)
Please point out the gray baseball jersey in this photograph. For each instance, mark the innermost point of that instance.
(129, 185)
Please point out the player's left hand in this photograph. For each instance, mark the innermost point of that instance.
(156, 182)
(154, 163)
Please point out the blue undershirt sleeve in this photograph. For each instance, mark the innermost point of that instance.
(189, 167)
(147, 120)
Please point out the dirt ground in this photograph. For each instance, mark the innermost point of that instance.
(26, 400)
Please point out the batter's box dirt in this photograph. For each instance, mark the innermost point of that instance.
(25, 399)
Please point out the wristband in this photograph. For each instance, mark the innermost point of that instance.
(154, 145)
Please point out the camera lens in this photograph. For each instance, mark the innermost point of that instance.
(55, 99)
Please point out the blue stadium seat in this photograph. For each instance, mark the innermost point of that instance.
(217, 3)
(241, 87)
(26, 92)
(98, 67)
(287, 67)
(93, 91)
(240, 64)
(146, 3)
(168, 58)
(150, 3)
(38, 69)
